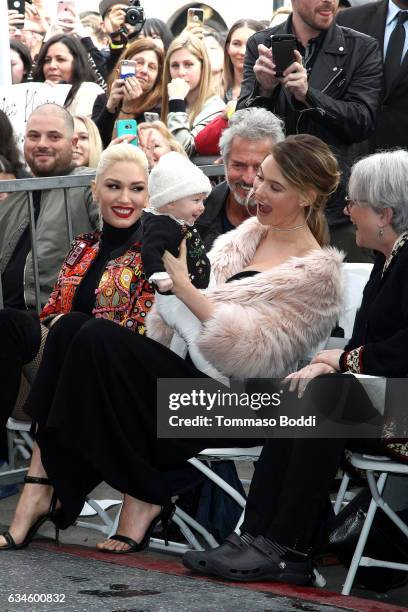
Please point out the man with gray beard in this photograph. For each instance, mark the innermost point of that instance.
(250, 137)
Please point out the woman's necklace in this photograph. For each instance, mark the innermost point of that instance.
(286, 229)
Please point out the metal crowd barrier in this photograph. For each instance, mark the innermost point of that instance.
(35, 184)
(66, 182)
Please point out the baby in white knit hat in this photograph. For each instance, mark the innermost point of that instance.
(177, 189)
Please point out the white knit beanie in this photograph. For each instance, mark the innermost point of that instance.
(175, 177)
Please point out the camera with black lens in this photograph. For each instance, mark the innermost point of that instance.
(135, 14)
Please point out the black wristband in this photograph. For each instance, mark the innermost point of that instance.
(121, 37)
(177, 106)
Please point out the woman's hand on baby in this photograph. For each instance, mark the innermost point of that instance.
(164, 285)
(300, 379)
(176, 268)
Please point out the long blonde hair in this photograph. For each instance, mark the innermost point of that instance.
(95, 142)
(308, 165)
(196, 47)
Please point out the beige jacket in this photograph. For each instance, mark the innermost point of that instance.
(52, 236)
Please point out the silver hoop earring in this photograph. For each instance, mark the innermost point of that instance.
(380, 232)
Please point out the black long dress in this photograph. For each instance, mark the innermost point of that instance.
(94, 399)
(20, 330)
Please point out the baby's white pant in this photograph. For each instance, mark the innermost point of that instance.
(187, 330)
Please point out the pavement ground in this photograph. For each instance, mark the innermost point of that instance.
(81, 579)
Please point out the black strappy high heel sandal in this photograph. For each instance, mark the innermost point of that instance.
(48, 516)
(164, 516)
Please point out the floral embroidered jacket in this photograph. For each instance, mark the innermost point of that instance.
(124, 295)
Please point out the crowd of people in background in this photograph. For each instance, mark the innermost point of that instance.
(86, 51)
(303, 173)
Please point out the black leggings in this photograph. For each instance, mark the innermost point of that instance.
(20, 338)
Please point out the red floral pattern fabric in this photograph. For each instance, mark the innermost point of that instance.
(124, 295)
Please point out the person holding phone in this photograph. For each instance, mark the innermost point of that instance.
(189, 100)
(195, 23)
(15, 17)
(68, 22)
(330, 89)
(130, 96)
(33, 26)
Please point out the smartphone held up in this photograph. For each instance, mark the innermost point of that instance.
(127, 68)
(19, 6)
(65, 8)
(195, 16)
(283, 51)
(128, 127)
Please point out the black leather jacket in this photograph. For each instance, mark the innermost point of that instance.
(210, 224)
(342, 100)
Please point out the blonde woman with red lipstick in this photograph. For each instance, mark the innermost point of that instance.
(102, 275)
(102, 272)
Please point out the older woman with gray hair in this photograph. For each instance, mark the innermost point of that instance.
(277, 535)
(378, 206)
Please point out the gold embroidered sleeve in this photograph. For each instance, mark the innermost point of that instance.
(351, 361)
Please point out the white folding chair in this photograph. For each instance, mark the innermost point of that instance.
(377, 470)
(19, 439)
(222, 454)
(356, 277)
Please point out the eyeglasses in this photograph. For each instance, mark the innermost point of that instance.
(349, 204)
